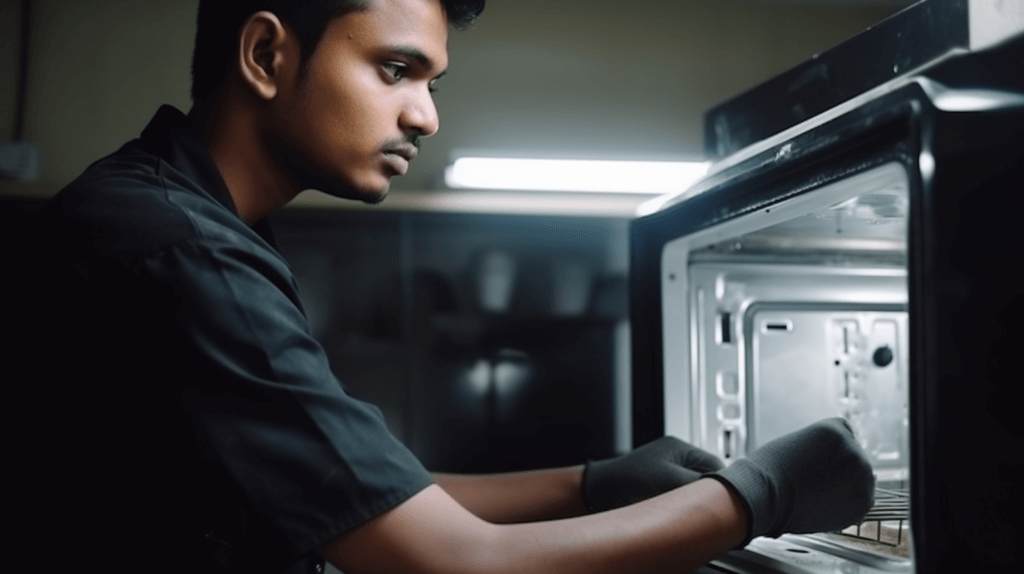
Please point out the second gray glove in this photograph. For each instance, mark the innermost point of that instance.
(658, 466)
(816, 479)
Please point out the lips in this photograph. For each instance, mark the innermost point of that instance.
(398, 157)
(406, 151)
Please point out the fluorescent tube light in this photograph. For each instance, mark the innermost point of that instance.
(652, 177)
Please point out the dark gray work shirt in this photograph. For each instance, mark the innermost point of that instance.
(175, 392)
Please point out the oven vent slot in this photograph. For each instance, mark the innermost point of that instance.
(728, 444)
(725, 327)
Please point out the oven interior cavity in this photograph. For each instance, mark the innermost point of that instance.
(795, 313)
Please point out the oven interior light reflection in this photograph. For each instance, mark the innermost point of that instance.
(651, 177)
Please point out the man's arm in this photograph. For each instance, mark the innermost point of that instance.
(518, 496)
(655, 468)
(432, 533)
(815, 479)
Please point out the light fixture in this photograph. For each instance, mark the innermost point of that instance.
(648, 177)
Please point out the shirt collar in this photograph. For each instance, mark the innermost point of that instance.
(171, 136)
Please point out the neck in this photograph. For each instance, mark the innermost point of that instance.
(255, 180)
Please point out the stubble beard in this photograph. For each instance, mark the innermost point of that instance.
(308, 176)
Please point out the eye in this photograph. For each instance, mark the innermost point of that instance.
(394, 70)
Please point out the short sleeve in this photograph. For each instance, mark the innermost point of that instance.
(314, 460)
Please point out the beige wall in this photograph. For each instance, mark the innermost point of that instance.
(10, 26)
(98, 69)
(555, 77)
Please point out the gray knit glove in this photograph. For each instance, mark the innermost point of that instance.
(658, 466)
(816, 479)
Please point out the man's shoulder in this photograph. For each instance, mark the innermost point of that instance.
(132, 201)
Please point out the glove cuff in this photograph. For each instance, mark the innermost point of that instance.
(585, 481)
(757, 493)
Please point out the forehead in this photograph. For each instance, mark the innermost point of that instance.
(419, 25)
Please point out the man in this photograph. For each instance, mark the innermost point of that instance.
(190, 412)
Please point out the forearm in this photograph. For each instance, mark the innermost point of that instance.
(674, 532)
(519, 496)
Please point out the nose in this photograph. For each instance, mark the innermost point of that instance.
(420, 114)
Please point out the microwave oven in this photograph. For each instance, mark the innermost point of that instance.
(853, 251)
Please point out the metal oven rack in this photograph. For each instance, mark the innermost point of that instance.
(886, 527)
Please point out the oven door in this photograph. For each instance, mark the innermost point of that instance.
(862, 267)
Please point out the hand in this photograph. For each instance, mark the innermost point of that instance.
(816, 479)
(658, 466)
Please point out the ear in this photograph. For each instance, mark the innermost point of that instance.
(268, 54)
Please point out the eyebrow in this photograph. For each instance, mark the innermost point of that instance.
(418, 55)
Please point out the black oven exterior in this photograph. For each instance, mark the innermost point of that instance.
(956, 125)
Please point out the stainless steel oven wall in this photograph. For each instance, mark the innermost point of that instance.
(783, 347)
(760, 307)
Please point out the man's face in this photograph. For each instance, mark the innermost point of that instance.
(354, 118)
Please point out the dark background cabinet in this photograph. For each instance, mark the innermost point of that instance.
(398, 301)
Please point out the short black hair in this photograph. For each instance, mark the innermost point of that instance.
(218, 23)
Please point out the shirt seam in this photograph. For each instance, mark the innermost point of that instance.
(161, 166)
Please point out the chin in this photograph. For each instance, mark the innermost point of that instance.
(365, 193)
(375, 198)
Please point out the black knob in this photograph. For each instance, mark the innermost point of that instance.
(882, 356)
